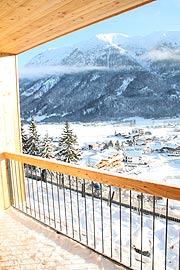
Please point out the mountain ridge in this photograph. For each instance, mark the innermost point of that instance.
(113, 77)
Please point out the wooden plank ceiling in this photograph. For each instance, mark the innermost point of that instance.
(25, 24)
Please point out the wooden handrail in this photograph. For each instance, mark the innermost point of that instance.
(2, 157)
(96, 175)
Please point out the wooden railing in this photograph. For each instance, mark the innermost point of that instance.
(103, 177)
(129, 221)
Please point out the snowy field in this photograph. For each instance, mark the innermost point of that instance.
(161, 169)
(107, 229)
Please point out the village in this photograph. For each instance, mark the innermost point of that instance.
(138, 152)
(129, 150)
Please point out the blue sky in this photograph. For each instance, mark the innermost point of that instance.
(162, 15)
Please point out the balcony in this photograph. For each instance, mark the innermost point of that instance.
(135, 224)
(26, 244)
(59, 219)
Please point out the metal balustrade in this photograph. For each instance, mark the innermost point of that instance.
(135, 229)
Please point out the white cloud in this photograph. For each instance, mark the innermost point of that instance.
(166, 54)
(29, 72)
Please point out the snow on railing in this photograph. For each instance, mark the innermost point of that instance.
(137, 227)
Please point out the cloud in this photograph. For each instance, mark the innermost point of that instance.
(34, 72)
(166, 54)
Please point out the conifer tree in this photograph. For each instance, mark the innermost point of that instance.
(117, 145)
(110, 144)
(47, 148)
(67, 146)
(24, 139)
(33, 142)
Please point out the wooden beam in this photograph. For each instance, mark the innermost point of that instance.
(66, 20)
(31, 23)
(103, 177)
(2, 157)
(10, 139)
(3, 54)
(5, 202)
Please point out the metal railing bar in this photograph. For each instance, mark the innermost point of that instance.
(25, 185)
(16, 185)
(42, 197)
(32, 186)
(72, 214)
(153, 233)
(20, 184)
(130, 228)
(28, 190)
(110, 220)
(47, 199)
(78, 210)
(86, 219)
(93, 215)
(52, 194)
(166, 235)
(10, 181)
(102, 223)
(58, 186)
(179, 249)
(64, 197)
(37, 192)
(141, 214)
(120, 228)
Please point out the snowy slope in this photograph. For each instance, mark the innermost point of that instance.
(107, 77)
(122, 42)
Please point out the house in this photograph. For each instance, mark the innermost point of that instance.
(107, 160)
(139, 131)
(133, 157)
(174, 151)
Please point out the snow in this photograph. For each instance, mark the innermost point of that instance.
(161, 168)
(113, 39)
(41, 87)
(52, 56)
(39, 118)
(83, 56)
(124, 86)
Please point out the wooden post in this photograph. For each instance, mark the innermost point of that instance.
(9, 122)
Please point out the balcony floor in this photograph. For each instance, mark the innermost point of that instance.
(25, 244)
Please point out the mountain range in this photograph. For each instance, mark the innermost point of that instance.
(108, 77)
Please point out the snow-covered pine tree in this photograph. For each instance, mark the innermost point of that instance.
(47, 147)
(24, 139)
(117, 145)
(33, 142)
(110, 144)
(68, 150)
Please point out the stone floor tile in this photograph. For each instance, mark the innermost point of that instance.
(27, 245)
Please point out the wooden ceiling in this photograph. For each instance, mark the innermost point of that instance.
(25, 24)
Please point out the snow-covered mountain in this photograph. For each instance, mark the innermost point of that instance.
(110, 76)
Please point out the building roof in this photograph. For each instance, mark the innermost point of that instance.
(25, 24)
(133, 153)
